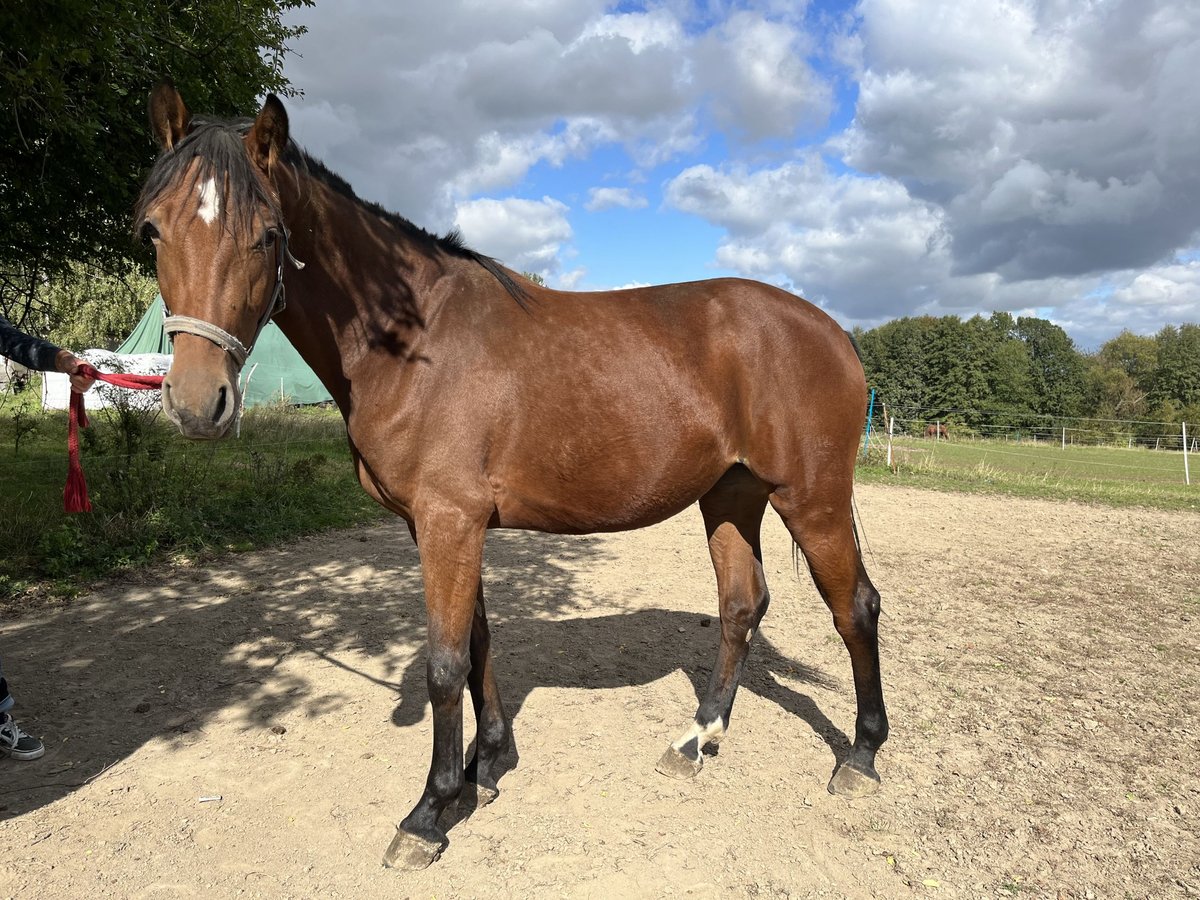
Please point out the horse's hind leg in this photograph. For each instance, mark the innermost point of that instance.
(824, 530)
(491, 726)
(733, 511)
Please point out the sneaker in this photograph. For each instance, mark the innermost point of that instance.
(16, 743)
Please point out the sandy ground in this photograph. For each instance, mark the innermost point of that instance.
(1040, 667)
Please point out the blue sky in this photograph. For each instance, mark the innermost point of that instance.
(882, 158)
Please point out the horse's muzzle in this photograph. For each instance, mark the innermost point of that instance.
(202, 408)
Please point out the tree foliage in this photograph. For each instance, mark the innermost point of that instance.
(74, 77)
(1177, 376)
(1024, 371)
(1056, 367)
(94, 309)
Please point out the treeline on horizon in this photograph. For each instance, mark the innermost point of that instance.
(1022, 372)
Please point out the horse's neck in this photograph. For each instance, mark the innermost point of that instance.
(364, 288)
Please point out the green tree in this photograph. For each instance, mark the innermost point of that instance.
(1177, 375)
(1008, 370)
(1119, 377)
(93, 309)
(895, 361)
(955, 360)
(1056, 368)
(1010, 378)
(74, 77)
(1133, 354)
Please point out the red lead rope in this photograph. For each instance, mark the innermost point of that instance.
(75, 495)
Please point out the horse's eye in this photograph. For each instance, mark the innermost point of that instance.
(268, 238)
(148, 233)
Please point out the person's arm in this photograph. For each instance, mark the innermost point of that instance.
(26, 350)
(35, 353)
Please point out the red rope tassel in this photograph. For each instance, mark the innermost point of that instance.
(75, 494)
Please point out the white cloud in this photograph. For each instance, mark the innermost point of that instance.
(1009, 154)
(569, 281)
(760, 83)
(600, 198)
(1138, 300)
(654, 28)
(1058, 138)
(869, 251)
(448, 100)
(526, 235)
(840, 240)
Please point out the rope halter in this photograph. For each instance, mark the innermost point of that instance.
(174, 325)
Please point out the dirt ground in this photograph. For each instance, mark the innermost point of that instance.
(1040, 668)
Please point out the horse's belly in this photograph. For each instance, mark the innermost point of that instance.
(608, 497)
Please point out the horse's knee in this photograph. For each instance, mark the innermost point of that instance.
(446, 674)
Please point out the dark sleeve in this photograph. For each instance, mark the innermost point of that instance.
(26, 350)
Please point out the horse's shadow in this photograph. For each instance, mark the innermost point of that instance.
(667, 641)
(160, 658)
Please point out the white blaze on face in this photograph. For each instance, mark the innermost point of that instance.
(210, 203)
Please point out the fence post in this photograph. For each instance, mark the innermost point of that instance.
(1064, 446)
(891, 427)
(870, 415)
(1187, 476)
(937, 435)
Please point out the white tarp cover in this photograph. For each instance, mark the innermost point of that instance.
(56, 387)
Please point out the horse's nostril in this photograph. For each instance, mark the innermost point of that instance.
(222, 400)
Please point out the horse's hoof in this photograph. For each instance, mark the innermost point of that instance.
(853, 783)
(481, 794)
(409, 851)
(674, 764)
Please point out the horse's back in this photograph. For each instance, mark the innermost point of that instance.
(752, 349)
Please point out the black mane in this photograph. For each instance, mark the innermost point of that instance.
(217, 143)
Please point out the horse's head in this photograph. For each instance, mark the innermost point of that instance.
(210, 209)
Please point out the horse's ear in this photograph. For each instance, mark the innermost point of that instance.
(269, 135)
(169, 117)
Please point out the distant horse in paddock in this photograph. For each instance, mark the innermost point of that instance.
(475, 399)
(936, 431)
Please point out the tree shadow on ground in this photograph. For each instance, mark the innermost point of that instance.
(159, 656)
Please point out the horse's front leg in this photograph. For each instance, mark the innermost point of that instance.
(451, 548)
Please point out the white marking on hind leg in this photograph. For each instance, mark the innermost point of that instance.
(703, 734)
(210, 203)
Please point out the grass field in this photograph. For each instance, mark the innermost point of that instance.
(1110, 475)
(155, 494)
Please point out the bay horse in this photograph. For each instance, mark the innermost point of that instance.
(474, 399)
(936, 431)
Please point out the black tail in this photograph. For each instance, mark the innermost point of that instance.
(854, 344)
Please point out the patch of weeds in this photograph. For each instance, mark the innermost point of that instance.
(1014, 886)
(154, 494)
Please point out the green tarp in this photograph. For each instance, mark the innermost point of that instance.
(273, 371)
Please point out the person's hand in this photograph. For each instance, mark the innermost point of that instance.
(67, 363)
